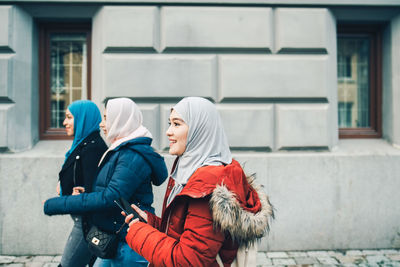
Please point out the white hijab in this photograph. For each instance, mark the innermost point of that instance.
(123, 122)
(206, 141)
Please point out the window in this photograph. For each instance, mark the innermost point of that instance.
(64, 52)
(359, 81)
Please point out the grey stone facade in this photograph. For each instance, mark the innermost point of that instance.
(270, 67)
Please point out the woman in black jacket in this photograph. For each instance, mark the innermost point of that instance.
(82, 120)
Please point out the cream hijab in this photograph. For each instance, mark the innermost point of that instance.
(123, 123)
(206, 141)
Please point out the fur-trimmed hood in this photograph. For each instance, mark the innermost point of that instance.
(243, 225)
(239, 206)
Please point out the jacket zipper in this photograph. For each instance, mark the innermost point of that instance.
(166, 228)
(74, 176)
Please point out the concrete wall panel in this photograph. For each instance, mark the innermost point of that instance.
(21, 196)
(159, 75)
(128, 27)
(5, 74)
(151, 120)
(6, 26)
(336, 198)
(330, 195)
(395, 76)
(4, 122)
(16, 81)
(20, 131)
(248, 126)
(165, 110)
(302, 125)
(273, 76)
(216, 27)
(302, 28)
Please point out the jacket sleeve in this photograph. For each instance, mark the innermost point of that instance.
(153, 220)
(129, 173)
(198, 245)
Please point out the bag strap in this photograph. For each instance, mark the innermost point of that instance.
(119, 230)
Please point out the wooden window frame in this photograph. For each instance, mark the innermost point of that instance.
(45, 29)
(374, 33)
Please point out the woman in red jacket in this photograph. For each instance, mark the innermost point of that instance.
(210, 207)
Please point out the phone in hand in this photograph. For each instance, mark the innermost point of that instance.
(125, 206)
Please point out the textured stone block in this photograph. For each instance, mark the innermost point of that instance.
(5, 75)
(305, 260)
(303, 28)
(151, 120)
(6, 259)
(376, 259)
(159, 75)
(277, 254)
(4, 119)
(302, 125)
(273, 76)
(318, 254)
(328, 261)
(262, 259)
(127, 27)
(248, 126)
(165, 111)
(216, 27)
(281, 262)
(5, 26)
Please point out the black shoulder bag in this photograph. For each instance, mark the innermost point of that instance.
(103, 244)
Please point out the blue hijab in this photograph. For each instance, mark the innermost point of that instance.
(87, 118)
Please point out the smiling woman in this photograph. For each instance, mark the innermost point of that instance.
(69, 123)
(177, 134)
(210, 207)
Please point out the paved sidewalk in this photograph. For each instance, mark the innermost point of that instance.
(382, 257)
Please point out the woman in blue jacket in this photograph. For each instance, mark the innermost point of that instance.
(81, 121)
(127, 169)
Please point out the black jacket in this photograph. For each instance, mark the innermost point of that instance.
(81, 166)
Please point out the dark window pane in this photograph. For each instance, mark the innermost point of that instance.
(353, 82)
(57, 113)
(67, 73)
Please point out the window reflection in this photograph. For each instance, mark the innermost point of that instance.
(353, 82)
(67, 73)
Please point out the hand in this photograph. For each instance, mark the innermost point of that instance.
(130, 216)
(128, 220)
(77, 190)
(140, 212)
(58, 188)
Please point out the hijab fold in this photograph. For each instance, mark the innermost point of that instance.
(87, 118)
(206, 145)
(123, 122)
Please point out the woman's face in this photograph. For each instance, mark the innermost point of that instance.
(177, 134)
(103, 123)
(69, 123)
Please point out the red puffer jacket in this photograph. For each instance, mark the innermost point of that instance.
(216, 206)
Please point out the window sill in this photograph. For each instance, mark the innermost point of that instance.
(365, 147)
(43, 149)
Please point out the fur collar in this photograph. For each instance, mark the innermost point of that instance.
(244, 227)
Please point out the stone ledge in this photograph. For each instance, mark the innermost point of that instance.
(354, 147)
(239, 2)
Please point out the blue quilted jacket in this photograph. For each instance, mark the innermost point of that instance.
(128, 171)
